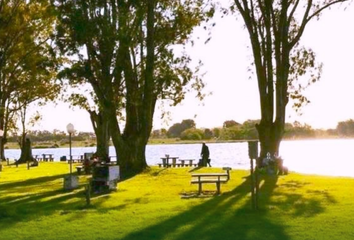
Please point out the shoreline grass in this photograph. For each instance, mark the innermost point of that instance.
(161, 204)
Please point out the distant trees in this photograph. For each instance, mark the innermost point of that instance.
(298, 130)
(345, 128)
(230, 123)
(192, 134)
(37, 136)
(248, 131)
(176, 129)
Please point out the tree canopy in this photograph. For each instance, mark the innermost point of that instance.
(124, 49)
(28, 62)
(275, 29)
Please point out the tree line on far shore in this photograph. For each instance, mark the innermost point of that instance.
(232, 130)
(187, 130)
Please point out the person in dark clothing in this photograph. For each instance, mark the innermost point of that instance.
(205, 155)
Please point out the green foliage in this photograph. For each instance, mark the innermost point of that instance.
(28, 61)
(230, 123)
(192, 134)
(298, 130)
(176, 129)
(208, 134)
(125, 51)
(54, 136)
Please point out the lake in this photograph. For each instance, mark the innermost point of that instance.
(324, 157)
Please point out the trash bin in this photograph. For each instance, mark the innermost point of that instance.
(63, 158)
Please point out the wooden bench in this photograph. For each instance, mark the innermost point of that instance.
(184, 162)
(217, 178)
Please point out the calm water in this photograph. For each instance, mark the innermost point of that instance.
(325, 157)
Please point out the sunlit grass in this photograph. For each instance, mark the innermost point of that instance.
(162, 204)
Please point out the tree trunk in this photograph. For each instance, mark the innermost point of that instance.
(270, 135)
(132, 156)
(26, 150)
(141, 99)
(100, 125)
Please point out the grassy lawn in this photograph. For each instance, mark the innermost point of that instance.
(162, 204)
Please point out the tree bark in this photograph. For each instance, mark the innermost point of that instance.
(100, 124)
(26, 150)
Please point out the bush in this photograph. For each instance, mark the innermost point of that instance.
(192, 134)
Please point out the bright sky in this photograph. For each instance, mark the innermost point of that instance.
(234, 96)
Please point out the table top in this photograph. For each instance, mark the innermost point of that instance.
(169, 157)
(209, 174)
(186, 160)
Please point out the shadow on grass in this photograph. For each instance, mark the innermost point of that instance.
(215, 218)
(5, 187)
(32, 198)
(218, 218)
(195, 169)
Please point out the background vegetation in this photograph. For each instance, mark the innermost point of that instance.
(186, 132)
(232, 130)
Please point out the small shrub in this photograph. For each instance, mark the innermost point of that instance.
(192, 134)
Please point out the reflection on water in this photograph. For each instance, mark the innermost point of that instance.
(325, 157)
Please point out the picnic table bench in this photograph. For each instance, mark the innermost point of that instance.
(166, 162)
(187, 160)
(217, 178)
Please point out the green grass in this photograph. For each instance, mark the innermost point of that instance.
(162, 204)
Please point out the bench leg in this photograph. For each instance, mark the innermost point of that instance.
(200, 188)
(218, 187)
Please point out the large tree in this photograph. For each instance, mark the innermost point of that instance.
(275, 29)
(125, 50)
(27, 59)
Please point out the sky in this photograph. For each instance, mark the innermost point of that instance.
(232, 89)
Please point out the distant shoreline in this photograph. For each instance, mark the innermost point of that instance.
(164, 141)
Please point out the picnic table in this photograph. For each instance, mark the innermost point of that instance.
(48, 157)
(217, 178)
(165, 161)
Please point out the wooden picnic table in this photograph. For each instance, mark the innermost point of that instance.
(165, 161)
(48, 157)
(217, 178)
